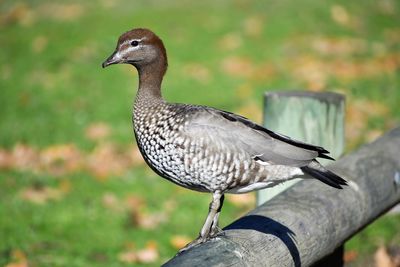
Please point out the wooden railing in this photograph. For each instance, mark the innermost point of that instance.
(309, 222)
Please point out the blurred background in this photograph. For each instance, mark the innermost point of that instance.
(74, 190)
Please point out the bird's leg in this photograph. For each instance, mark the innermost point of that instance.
(210, 225)
(215, 230)
(211, 222)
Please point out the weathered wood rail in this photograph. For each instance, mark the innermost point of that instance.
(309, 220)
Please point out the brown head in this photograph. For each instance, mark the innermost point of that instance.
(140, 48)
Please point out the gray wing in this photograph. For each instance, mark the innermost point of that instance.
(238, 133)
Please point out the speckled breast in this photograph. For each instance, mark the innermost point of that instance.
(157, 134)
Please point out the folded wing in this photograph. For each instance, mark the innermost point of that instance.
(240, 133)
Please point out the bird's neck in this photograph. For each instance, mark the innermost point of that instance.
(150, 79)
(149, 99)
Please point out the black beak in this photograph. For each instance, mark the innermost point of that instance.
(111, 60)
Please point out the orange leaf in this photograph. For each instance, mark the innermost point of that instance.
(179, 241)
(242, 200)
(5, 159)
(350, 255)
(127, 256)
(61, 12)
(134, 155)
(253, 26)
(237, 66)
(24, 157)
(106, 160)
(61, 159)
(148, 221)
(198, 72)
(250, 110)
(340, 15)
(18, 259)
(97, 131)
(382, 258)
(41, 195)
(148, 254)
(230, 41)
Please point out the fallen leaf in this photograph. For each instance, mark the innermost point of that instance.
(340, 15)
(17, 264)
(372, 135)
(230, 42)
(237, 66)
(149, 254)
(61, 12)
(242, 200)
(169, 205)
(264, 72)
(146, 220)
(382, 258)
(355, 124)
(61, 159)
(394, 252)
(179, 241)
(310, 70)
(350, 255)
(134, 202)
(198, 72)
(253, 26)
(141, 218)
(127, 256)
(41, 194)
(106, 160)
(244, 91)
(107, 4)
(250, 110)
(334, 46)
(18, 259)
(65, 186)
(316, 71)
(5, 159)
(111, 201)
(19, 13)
(134, 155)
(84, 52)
(358, 112)
(24, 157)
(97, 131)
(43, 78)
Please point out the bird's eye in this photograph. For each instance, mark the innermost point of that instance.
(134, 43)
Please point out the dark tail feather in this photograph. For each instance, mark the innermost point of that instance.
(317, 171)
(320, 155)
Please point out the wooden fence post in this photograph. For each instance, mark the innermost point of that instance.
(312, 117)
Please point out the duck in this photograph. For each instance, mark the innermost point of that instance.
(207, 149)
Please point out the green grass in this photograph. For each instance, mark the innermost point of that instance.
(51, 96)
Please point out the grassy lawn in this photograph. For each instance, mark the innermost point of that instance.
(73, 189)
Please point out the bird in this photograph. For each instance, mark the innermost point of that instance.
(207, 149)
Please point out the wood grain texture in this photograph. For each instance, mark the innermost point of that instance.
(312, 117)
(309, 220)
